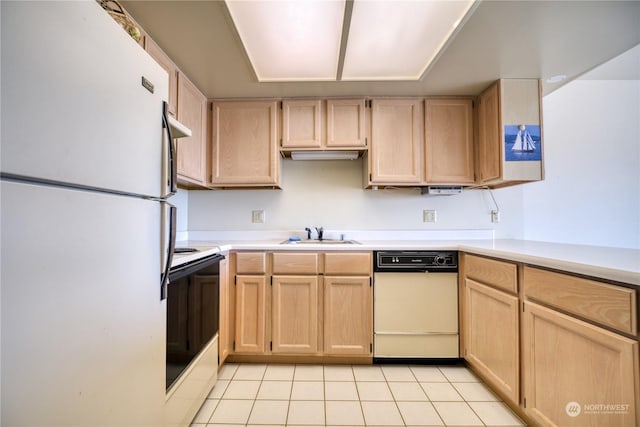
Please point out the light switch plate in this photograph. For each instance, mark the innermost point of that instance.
(257, 217)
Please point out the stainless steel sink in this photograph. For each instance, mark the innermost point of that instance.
(320, 242)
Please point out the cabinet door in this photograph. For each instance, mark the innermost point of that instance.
(191, 151)
(302, 123)
(250, 314)
(396, 141)
(348, 318)
(492, 337)
(449, 141)
(577, 374)
(244, 145)
(346, 123)
(165, 62)
(294, 314)
(489, 135)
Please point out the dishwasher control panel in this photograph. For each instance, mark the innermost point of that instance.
(390, 261)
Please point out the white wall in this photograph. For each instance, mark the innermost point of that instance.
(330, 194)
(181, 201)
(591, 191)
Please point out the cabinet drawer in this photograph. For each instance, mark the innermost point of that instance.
(606, 304)
(251, 263)
(499, 274)
(295, 263)
(347, 263)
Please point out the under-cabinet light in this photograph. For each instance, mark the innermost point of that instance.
(324, 155)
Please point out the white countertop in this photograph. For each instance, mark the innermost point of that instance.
(616, 264)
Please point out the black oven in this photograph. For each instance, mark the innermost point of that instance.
(192, 312)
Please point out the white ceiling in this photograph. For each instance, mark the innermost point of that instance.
(625, 66)
(501, 39)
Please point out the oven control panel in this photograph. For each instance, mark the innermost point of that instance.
(444, 261)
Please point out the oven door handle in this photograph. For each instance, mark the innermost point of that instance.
(169, 248)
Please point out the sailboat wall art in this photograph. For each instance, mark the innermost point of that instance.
(522, 143)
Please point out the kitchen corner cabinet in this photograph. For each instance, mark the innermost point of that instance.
(244, 147)
(316, 125)
(567, 360)
(395, 152)
(580, 350)
(448, 154)
(509, 144)
(192, 151)
(490, 318)
(170, 67)
(250, 302)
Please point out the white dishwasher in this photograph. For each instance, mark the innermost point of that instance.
(415, 311)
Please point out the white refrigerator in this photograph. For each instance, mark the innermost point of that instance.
(85, 237)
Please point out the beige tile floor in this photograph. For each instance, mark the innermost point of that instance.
(351, 395)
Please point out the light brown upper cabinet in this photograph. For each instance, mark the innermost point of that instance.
(315, 124)
(244, 148)
(509, 146)
(165, 62)
(346, 124)
(302, 121)
(449, 141)
(395, 152)
(192, 151)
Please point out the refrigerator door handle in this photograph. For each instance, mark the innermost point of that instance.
(172, 184)
(168, 249)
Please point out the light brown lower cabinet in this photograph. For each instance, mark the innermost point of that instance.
(348, 325)
(294, 314)
(285, 306)
(250, 314)
(492, 337)
(578, 374)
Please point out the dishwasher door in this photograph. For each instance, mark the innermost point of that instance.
(416, 315)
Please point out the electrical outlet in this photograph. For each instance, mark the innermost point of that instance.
(257, 217)
(429, 215)
(495, 216)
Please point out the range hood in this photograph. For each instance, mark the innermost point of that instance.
(178, 130)
(324, 155)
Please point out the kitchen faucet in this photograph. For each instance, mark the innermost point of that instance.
(319, 231)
